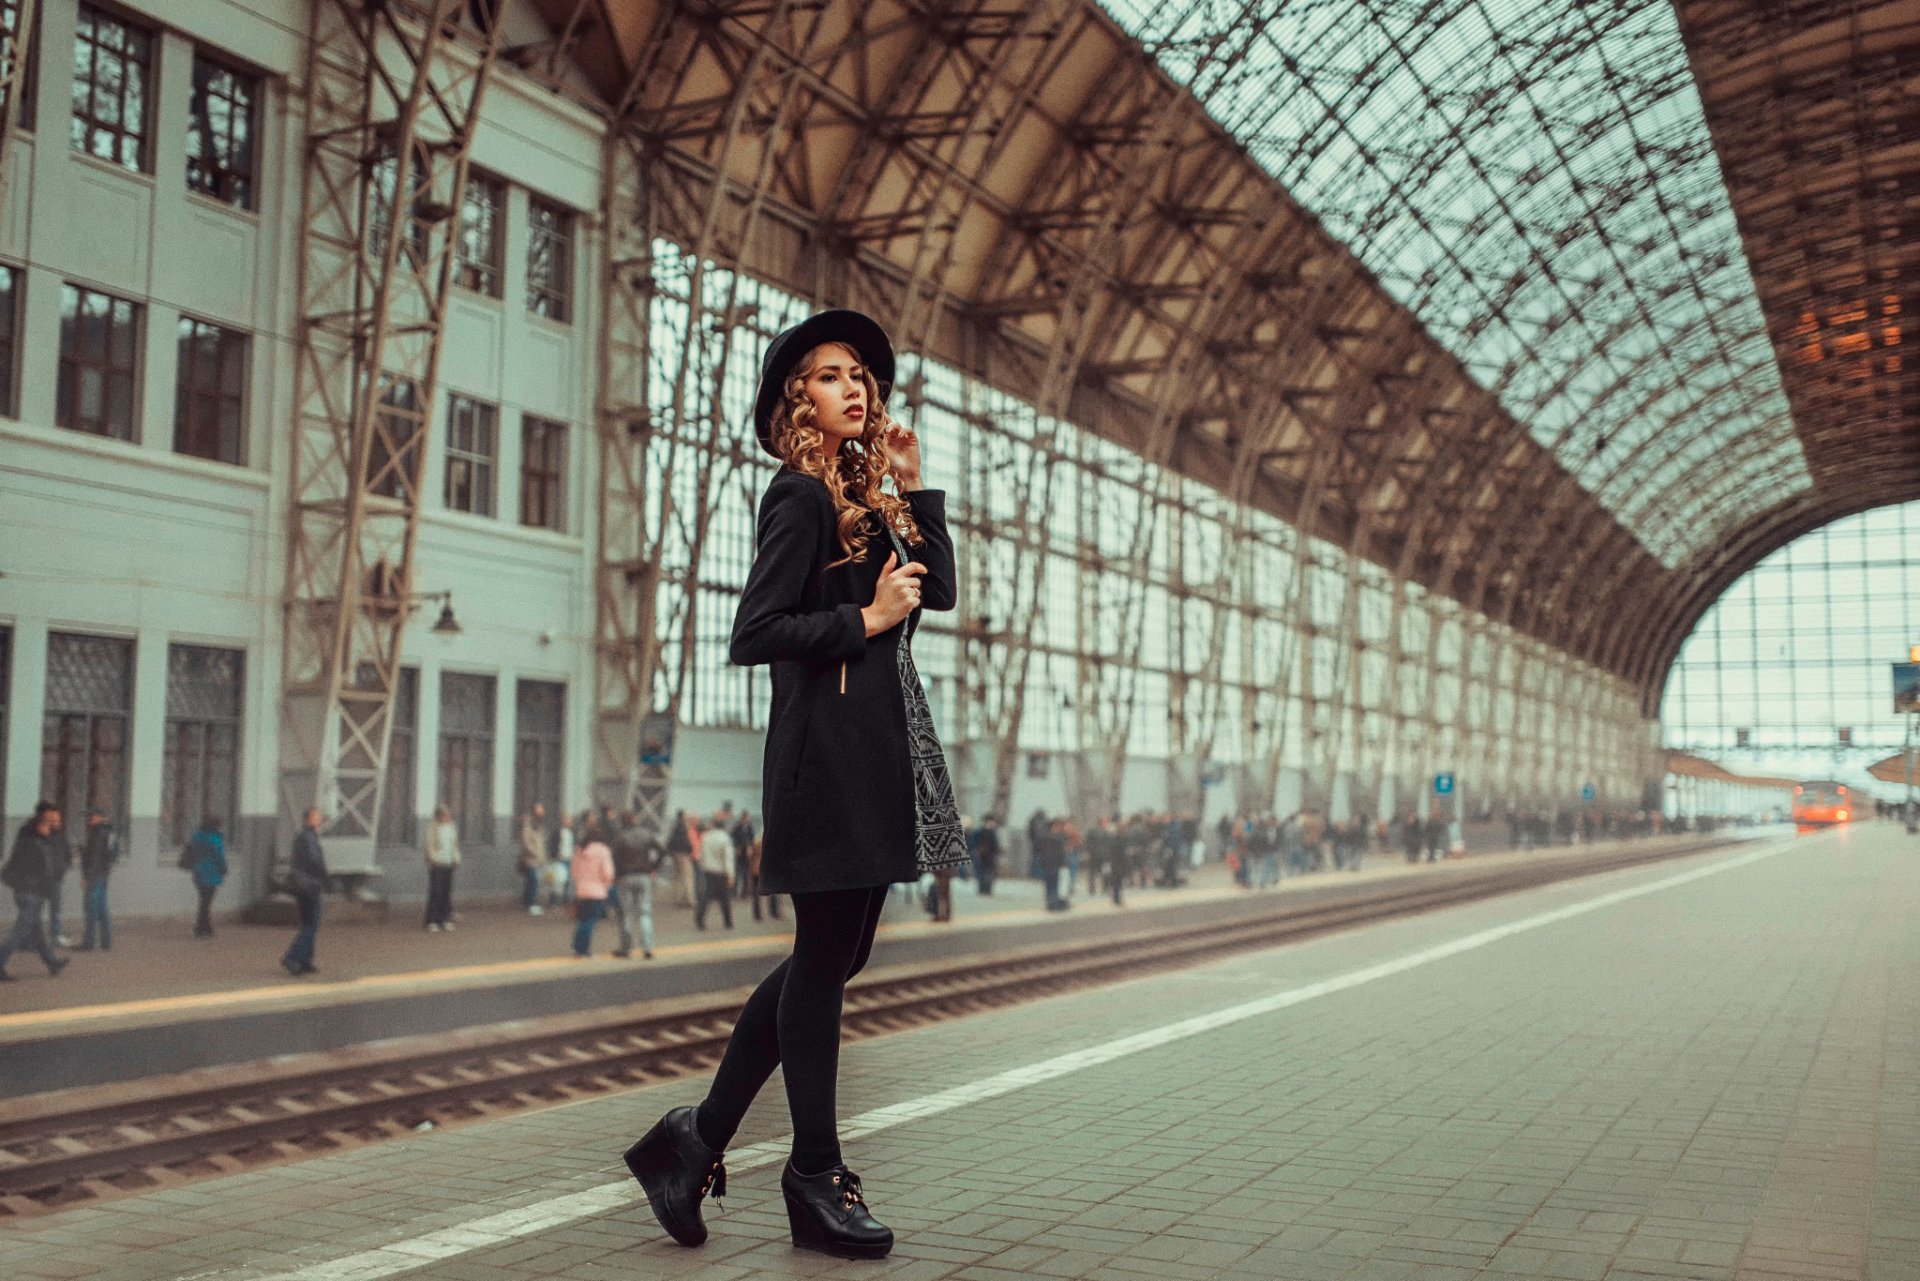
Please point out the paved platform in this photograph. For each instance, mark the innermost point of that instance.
(1705, 1068)
(163, 1001)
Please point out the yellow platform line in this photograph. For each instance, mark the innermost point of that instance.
(376, 983)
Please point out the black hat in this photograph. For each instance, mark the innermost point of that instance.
(860, 332)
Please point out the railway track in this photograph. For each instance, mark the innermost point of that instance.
(168, 1132)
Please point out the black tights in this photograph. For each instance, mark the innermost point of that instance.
(793, 1020)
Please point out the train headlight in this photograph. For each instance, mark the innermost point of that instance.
(1843, 816)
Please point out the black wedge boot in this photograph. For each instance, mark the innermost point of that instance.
(827, 1213)
(676, 1169)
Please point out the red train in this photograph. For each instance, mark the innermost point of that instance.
(1820, 802)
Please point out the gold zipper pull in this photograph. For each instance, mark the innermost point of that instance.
(843, 678)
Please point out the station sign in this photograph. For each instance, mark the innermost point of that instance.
(1443, 784)
(1588, 793)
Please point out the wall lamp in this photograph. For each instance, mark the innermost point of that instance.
(447, 624)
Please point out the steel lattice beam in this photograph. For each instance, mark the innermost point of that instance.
(393, 92)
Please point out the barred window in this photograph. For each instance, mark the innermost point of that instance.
(399, 820)
(220, 132)
(549, 260)
(112, 81)
(85, 732)
(397, 426)
(543, 472)
(482, 226)
(11, 278)
(213, 377)
(466, 754)
(472, 428)
(384, 176)
(201, 771)
(99, 349)
(539, 746)
(30, 73)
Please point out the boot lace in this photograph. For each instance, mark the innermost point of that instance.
(715, 1184)
(849, 1184)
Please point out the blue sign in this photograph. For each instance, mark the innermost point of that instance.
(1587, 793)
(1443, 784)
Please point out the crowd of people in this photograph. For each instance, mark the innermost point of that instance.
(603, 865)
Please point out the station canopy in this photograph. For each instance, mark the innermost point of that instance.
(1573, 312)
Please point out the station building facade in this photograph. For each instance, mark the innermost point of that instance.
(149, 250)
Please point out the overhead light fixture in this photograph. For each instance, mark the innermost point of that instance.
(448, 624)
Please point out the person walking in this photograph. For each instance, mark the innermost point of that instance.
(443, 855)
(57, 895)
(309, 880)
(841, 571)
(533, 853)
(716, 872)
(97, 857)
(637, 856)
(29, 873)
(205, 857)
(592, 881)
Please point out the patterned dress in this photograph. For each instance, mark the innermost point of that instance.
(938, 841)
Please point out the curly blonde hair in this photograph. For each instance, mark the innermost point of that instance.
(854, 473)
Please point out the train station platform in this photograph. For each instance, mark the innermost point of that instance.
(164, 1001)
(1702, 1068)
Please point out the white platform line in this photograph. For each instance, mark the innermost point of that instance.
(509, 1225)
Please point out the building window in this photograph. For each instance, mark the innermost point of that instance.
(482, 226)
(11, 278)
(213, 378)
(393, 464)
(30, 73)
(83, 745)
(543, 472)
(384, 174)
(539, 746)
(549, 261)
(472, 428)
(220, 132)
(201, 773)
(466, 754)
(112, 85)
(398, 814)
(99, 348)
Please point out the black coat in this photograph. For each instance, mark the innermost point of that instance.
(837, 790)
(36, 864)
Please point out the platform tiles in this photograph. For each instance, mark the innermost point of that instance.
(1702, 1069)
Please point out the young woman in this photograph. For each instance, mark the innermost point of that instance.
(857, 794)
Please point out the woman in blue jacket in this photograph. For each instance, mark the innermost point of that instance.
(206, 858)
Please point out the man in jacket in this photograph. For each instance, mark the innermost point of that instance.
(637, 856)
(743, 835)
(309, 876)
(29, 873)
(97, 857)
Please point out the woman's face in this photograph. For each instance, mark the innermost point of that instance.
(838, 389)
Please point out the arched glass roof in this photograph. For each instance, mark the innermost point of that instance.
(1537, 183)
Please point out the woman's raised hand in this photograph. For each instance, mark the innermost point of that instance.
(896, 595)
